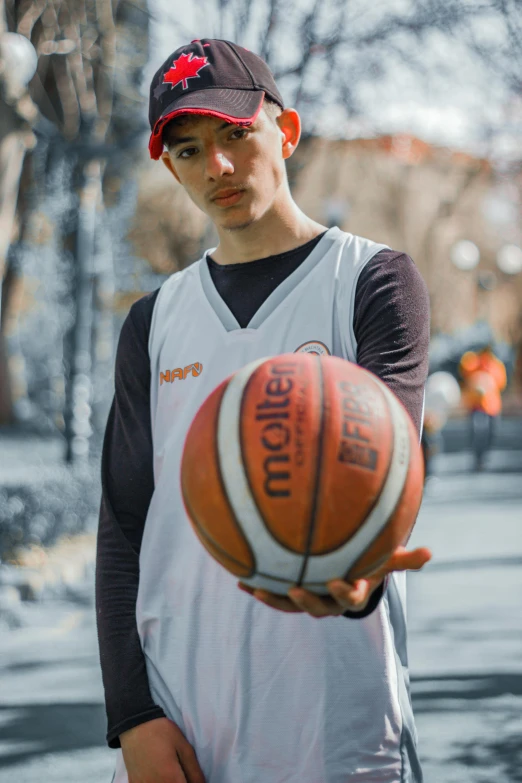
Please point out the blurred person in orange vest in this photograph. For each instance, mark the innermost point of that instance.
(484, 379)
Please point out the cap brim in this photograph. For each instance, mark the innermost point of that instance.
(235, 106)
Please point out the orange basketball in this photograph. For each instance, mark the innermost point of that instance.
(300, 469)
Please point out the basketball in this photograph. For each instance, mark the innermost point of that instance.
(300, 469)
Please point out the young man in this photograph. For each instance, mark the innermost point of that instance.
(204, 681)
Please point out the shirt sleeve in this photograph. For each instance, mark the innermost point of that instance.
(127, 487)
(392, 329)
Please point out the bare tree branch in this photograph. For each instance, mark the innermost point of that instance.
(30, 17)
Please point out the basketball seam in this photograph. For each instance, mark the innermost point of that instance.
(225, 494)
(384, 479)
(204, 533)
(318, 470)
(235, 479)
(241, 443)
(246, 466)
(319, 567)
(379, 563)
(274, 578)
(390, 458)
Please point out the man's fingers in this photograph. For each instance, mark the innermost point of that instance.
(178, 776)
(190, 765)
(245, 588)
(403, 560)
(270, 599)
(351, 595)
(315, 605)
(275, 601)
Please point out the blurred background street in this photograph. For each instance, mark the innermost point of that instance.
(464, 640)
(465, 632)
(412, 130)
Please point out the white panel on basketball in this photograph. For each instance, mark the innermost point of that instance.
(270, 556)
(266, 582)
(321, 568)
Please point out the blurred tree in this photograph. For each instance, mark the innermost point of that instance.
(324, 53)
(91, 54)
(500, 43)
(499, 46)
(17, 66)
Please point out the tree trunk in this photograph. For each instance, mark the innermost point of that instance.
(78, 394)
(12, 151)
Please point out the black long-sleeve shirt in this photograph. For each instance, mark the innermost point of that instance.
(391, 326)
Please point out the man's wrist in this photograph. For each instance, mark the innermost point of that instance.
(113, 736)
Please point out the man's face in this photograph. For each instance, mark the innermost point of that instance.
(232, 173)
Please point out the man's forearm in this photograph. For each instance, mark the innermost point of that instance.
(127, 694)
(127, 488)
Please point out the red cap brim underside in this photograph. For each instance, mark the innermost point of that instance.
(156, 137)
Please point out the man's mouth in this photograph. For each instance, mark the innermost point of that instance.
(225, 198)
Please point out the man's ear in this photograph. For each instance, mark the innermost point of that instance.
(165, 157)
(289, 123)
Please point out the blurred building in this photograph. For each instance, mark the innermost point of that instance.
(399, 190)
(424, 199)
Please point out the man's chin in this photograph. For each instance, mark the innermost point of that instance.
(236, 222)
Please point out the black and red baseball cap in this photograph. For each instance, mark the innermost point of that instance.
(212, 77)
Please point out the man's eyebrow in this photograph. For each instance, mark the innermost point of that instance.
(174, 142)
(177, 140)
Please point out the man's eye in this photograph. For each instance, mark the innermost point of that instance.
(187, 153)
(241, 131)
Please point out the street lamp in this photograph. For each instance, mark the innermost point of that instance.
(509, 259)
(465, 255)
(19, 61)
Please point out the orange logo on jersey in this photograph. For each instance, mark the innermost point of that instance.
(180, 373)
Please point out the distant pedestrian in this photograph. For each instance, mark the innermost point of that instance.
(431, 441)
(442, 396)
(484, 379)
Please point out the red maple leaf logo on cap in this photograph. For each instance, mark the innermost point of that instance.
(185, 67)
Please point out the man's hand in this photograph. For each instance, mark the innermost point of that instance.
(157, 752)
(352, 596)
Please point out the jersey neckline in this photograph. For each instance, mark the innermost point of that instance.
(266, 261)
(278, 295)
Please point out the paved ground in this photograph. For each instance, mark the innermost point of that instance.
(465, 641)
(465, 623)
(27, 457)
(51, 702)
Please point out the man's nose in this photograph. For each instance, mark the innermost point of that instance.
(217, 164)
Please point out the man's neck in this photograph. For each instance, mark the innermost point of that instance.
(276, 232)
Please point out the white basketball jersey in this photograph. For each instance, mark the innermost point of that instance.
(263, 696)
